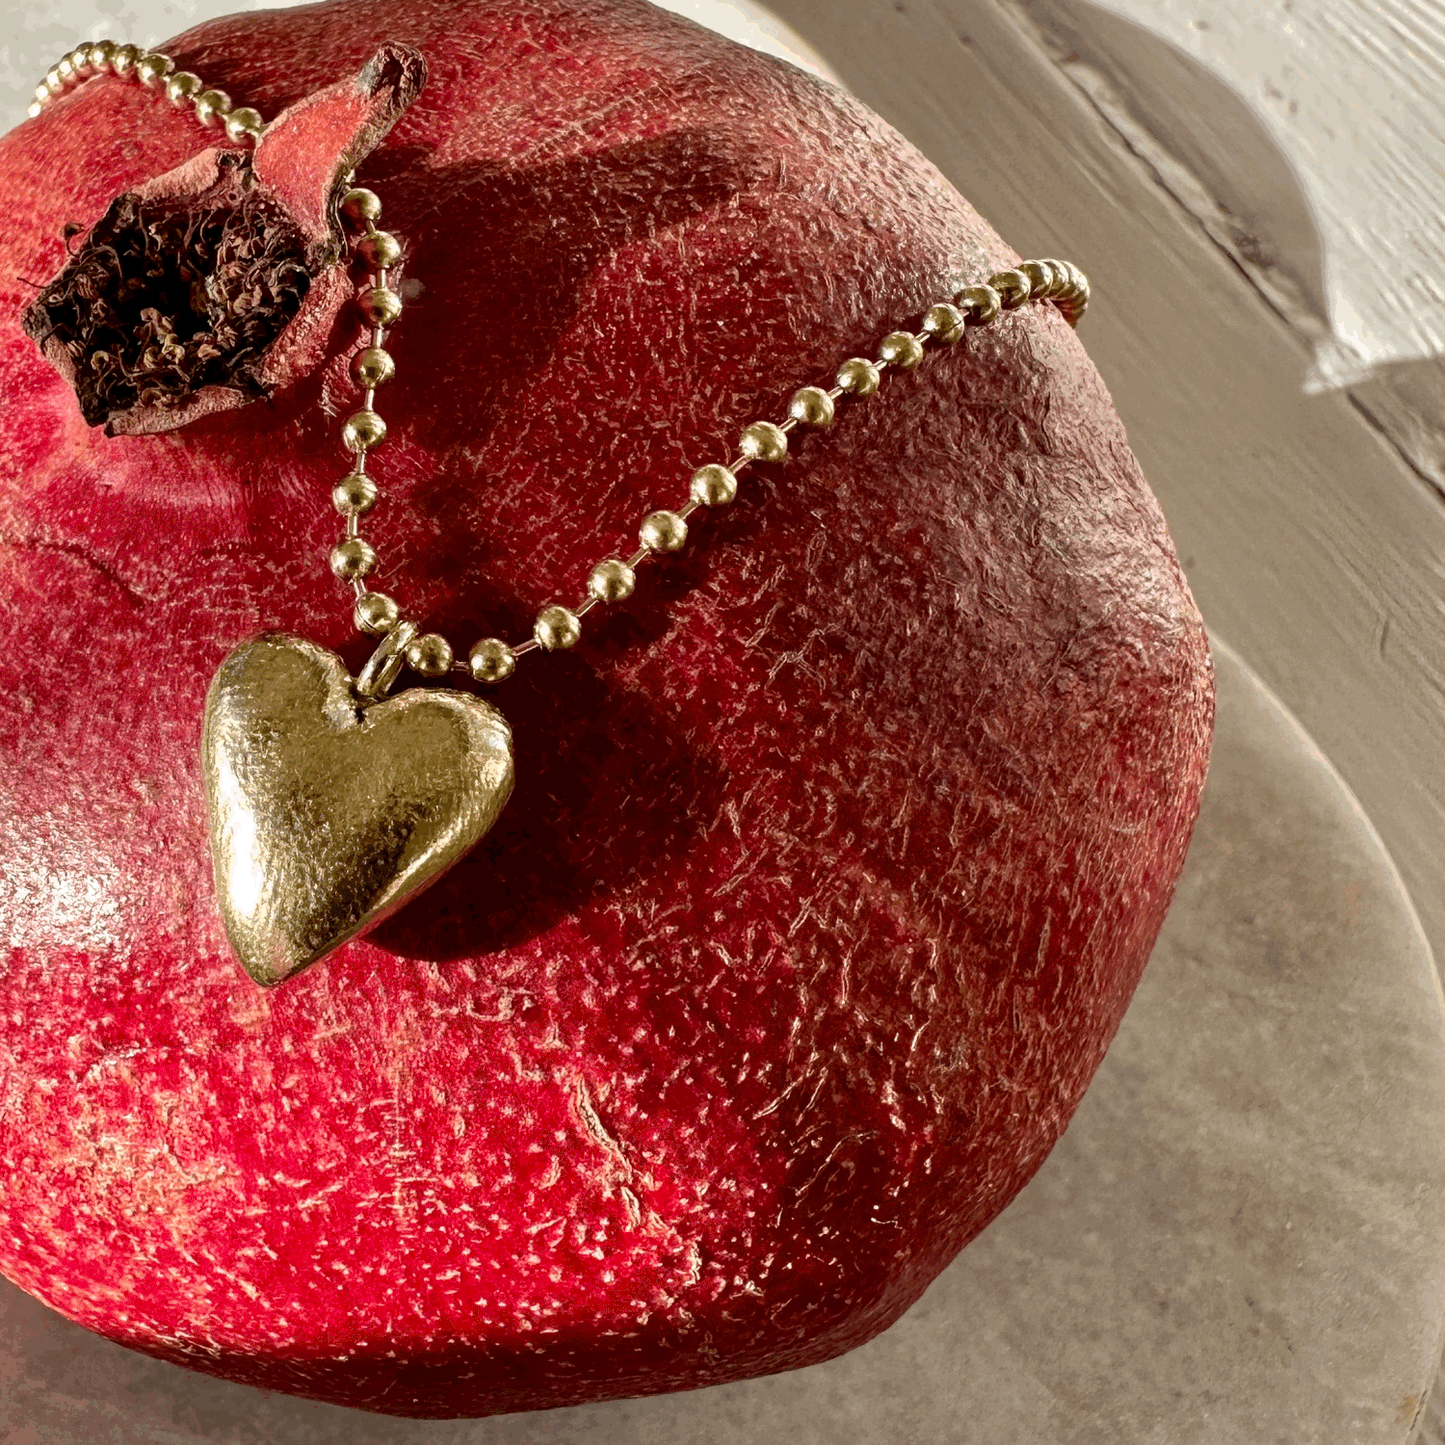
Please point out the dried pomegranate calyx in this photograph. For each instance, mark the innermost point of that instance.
(163, 298)
(217, 283)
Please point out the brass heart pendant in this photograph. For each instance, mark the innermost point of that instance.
(328, 809)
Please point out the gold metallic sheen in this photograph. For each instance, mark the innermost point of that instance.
(901, 349)
(380, 671)
(859, 376)
(244, 124)
(379, 249)
(361, 205)
(1060, 283)
(353, 558)
(152, 68)
(811, 406)
(1013, 287)
(712, 486)
(326, 814)
(372, 367)
(431, 655)
(125, 59)
(612, 580)
(354, 495)
(363, 430)
(944, 323)
(1039, 277)
(980, 304)
(380, 305)
(662, 532)
(491, 660)
(764, 442)
(182, 87)
(557, 627)
(375, 613)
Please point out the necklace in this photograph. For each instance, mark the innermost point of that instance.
(331, 802)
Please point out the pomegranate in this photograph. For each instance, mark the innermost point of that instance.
(834, 853)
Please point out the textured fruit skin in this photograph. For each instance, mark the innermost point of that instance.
(835, 852)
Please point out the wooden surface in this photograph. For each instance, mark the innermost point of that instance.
(1349, 96)
(1237, 1242)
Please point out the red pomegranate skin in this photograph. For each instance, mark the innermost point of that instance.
(835, 852)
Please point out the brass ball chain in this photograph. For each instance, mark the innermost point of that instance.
(714, 485)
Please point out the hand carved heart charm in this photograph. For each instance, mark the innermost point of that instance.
(328, 811)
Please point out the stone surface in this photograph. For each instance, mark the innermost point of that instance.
(1235, 1243)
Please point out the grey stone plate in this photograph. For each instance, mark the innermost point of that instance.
(1239, 1241)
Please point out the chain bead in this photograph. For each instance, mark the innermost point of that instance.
(1072, 278)
(379, 249)
(557, 627)
(125, 59)
(980, 304)
(430, 655)
(662, 532)
(375, 613)
(363, 430)
(372, 367)
(1063, 280)
(182, 87)
(764, 442)
(1013, 287)
(352, 558)
(491, 660)
(1038, 277)
(212, 107)
(55, 80)
(901, 349)
(713, 486)
(1046, 277)
(380, 305)
(944, 323)
(611, 581)
(811, 406)
(153, 67)
(859, 376)
(354, 495)
(361, 205)
(100, 54)
(244, 124)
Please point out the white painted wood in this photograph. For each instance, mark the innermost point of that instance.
(1217, 155)
(1353, 94)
